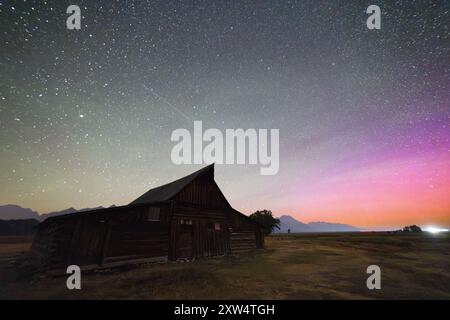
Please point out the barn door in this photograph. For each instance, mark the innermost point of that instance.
(88, 242)
(216, 240)
(184, 240)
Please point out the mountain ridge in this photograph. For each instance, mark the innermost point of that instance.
(288, 222)
(16, 212)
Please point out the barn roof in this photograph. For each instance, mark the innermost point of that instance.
(169, 190)
(108, 210)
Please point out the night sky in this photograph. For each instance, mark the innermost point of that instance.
(86, 116)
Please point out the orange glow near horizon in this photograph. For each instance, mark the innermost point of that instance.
(390, 194)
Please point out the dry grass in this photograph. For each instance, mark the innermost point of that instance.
(307, 266)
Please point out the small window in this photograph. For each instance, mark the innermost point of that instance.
(153, 214)
(214, 226)
(186, 221)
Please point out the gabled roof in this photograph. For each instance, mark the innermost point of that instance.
(168, 191)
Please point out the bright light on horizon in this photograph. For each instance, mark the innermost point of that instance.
(434, 230)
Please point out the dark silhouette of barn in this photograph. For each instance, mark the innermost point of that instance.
(185, 219)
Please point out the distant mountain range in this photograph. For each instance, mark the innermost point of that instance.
(288, 222)
(15, 212)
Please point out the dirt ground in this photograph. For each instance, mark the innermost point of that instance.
(295, 266)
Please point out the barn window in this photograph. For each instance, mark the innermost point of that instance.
(214, 226)
(153, 214)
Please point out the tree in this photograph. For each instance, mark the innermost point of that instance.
(266, 219)
(412, 228)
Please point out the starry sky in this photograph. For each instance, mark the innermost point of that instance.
(86, 116)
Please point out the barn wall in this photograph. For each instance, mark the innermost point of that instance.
(203, 191)
(103, 237)
(243, 241)
(186, 210)
(246, 234)
(199, 238)
(50, 243)
(240, 223)
(133, 237)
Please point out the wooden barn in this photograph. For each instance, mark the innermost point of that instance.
(189, 218)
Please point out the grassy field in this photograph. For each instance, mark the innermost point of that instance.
(296, 266)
